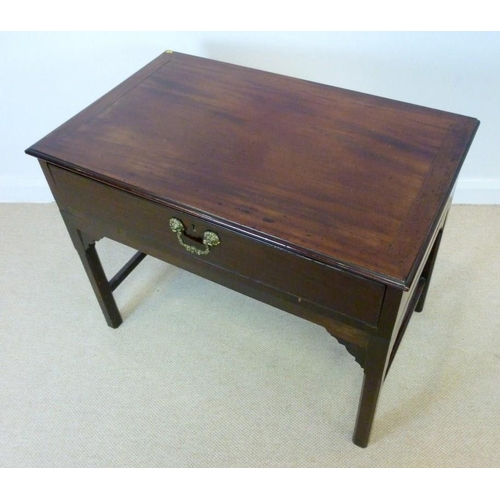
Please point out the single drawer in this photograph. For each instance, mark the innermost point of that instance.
(138, 219)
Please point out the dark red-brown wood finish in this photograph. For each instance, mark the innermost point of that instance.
(327, 203)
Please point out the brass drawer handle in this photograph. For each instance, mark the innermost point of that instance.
(210, 239)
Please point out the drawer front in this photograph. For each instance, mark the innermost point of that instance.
(145, 220)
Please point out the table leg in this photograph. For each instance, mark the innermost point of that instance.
(376, 360)
(85, 246)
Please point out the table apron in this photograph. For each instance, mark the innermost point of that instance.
(144, 224)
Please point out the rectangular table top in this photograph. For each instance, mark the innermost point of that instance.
(348, 179)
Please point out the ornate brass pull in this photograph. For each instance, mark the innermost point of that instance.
(210, 239)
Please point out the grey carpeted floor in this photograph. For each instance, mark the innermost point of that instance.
(200, 376)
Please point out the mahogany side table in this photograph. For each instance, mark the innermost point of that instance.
(324, 202)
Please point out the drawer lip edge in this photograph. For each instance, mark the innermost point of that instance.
(264, 238)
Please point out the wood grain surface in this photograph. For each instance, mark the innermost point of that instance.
(354, 181)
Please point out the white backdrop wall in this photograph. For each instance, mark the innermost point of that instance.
(45, 78)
